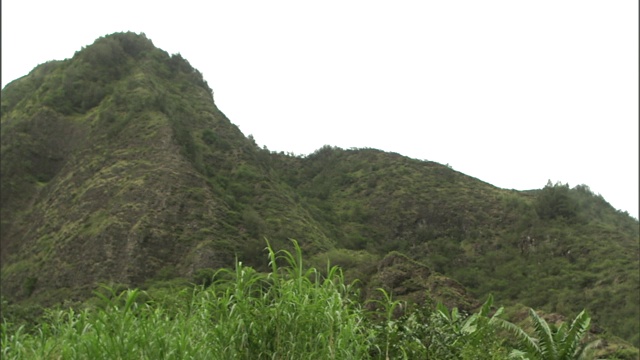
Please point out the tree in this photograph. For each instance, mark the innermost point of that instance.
(554, 201)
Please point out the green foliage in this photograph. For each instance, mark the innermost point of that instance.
(554, 201)
(20, 90)
(117, 162)
(357, 265)
(435, 332)
(289, 313)
(552, 342)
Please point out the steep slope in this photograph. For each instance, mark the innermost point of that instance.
(117, 166)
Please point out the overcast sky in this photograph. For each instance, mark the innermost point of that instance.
(514, 93)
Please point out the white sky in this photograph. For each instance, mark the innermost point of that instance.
(511, 92)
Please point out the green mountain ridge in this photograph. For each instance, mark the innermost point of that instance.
(117, 166)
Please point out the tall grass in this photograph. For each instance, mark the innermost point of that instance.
(290, 313)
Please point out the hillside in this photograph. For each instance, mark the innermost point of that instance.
(117, 166)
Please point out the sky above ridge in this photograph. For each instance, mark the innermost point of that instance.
(513, 93)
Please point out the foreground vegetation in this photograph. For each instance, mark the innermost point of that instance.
(289, 313)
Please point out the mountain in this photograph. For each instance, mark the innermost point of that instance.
(117, 167)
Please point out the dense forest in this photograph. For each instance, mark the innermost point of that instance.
(130, 201)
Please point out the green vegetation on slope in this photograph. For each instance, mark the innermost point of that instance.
(494, 241)
(116, 166)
